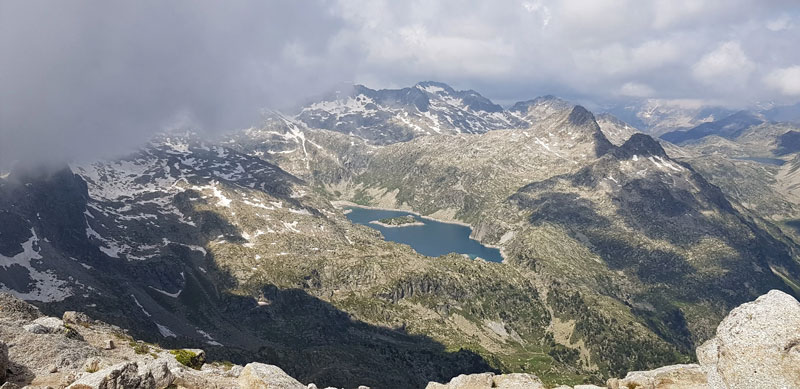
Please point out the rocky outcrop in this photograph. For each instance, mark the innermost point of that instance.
(79, 318)
(756, 346)
(490, 380)
(123, 375)
(45, 325)
(261, 376)
(667, 377)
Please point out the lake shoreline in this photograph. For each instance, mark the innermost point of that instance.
(340, 204)
(344, 203)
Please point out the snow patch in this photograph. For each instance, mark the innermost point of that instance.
(165, 332)
(136, 301)
(291, 226)
(173, 295)
(46, 287)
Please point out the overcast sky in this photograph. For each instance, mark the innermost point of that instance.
(92, 78)
(732, 52)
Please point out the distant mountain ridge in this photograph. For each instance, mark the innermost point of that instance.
(386, 116)
(657, 117)
(728, 127)
(395, 115)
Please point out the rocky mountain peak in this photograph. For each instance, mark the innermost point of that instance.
(435, 87)
(616, 130)
(471, 99)
(540, 107)
(641, 145)
(581, 116)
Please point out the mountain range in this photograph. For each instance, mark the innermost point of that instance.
(622, 251)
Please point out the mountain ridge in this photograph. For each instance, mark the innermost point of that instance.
(620, 255)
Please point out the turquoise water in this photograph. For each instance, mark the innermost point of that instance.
(433, 239)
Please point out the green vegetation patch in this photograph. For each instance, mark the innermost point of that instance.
(188, 358)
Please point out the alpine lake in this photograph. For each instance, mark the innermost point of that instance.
(426, 236)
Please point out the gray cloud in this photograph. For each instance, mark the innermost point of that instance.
(92, 78)
(99, 77)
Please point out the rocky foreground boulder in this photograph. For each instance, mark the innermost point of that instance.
(756, 346)
(490, 380)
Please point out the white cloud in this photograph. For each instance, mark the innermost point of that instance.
(725, 65)
(634, 89)
(786, 80)
(784, 22)
(538, 8)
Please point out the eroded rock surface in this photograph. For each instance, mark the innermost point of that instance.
(667, 377)
(756, 346)
(490, 380)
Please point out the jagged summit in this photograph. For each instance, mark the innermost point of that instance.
(641, 145)
(471, 99)
(581, 116)
(435, 87)
(611, 119)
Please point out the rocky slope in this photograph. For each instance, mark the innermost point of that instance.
(623, 239)
(189, 244)
(755, 346)
(749, 160)
(615, 129)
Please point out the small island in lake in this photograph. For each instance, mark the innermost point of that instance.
(399, 221)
